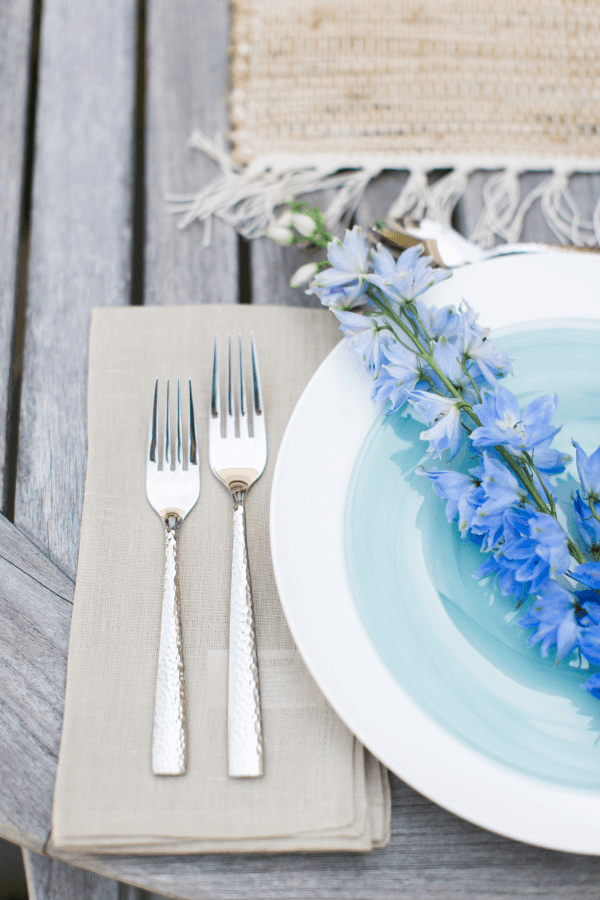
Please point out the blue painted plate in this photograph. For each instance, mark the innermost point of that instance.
(452, 643)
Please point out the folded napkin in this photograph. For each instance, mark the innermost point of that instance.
(321, 789)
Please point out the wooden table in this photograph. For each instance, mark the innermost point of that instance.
(97, 100)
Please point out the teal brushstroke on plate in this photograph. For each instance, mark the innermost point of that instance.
(453, 643)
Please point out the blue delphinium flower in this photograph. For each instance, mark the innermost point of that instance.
(367, 335)
(463, 494)
(566, 621)
(588, 574)
(553, 616)
(502, 489)
(533, 549)
(588, 526)
(588, 468)
(503, 423)
(438, 321)
(444, 413)
(549, 460)
(405, 278)
(343, 285)
(489, 362)
(399, 374)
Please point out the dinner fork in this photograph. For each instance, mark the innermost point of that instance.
(172, 488)
(238, 461)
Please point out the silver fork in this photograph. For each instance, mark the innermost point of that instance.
(172, 492)
(238, 461)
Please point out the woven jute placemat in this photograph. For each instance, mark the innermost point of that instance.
(328, 93)
(402, 77)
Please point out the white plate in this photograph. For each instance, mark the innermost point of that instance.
(312, 474)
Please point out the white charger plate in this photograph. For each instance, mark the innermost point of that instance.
(310, 488)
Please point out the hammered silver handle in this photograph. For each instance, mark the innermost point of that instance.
(169, 733)
(243, 717)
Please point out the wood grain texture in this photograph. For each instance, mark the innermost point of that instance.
(186, 69)
(53, 880)
(80, 250)
(80, 257)
(16, 25)
(35, 615)
(433, 855)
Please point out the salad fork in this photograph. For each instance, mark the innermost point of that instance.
(238, 461)
(172, 488)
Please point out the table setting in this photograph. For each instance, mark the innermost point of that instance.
(259, 638)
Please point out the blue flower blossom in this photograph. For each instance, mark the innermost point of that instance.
(553, 616)
(588, 574)
(503, 423)
(500, 486)
(566, 621)
(344, 285)
(366, 335)
(463, 494)
(589, 472)
(444, 412)
(405, 278)
(489, 362)
(549, 460)
(397, 377)
(533, 548)
(587, 525)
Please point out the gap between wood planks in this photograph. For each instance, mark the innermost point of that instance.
(22, 262)
(138, 212)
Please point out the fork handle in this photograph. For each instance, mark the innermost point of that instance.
(169, 734)
(243, 717)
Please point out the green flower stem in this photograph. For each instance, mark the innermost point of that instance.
(592, 506)
(534, 468)
(471, 379)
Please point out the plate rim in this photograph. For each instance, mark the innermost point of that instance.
(521, 807)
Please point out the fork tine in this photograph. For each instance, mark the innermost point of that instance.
(215, 399)
(167, 455)
(256, 387)
(230, 417)
(243, 418)
(152, 440)
(193, 457)
(179, 448)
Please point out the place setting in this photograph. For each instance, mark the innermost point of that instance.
(320, 616)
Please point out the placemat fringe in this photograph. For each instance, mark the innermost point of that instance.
(250, 197)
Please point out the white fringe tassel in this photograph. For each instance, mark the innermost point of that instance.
(248, 198)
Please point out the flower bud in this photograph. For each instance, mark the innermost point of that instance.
(285, 219)
(304, 224)
(283, 236)
(303, 274)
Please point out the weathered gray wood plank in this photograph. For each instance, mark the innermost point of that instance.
(80, 250)
(187, 88)
(80, 257)
(432, 856)
(35, 614)
(16, 25)
(50, 880)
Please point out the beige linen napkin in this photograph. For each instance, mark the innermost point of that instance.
(321, 789)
